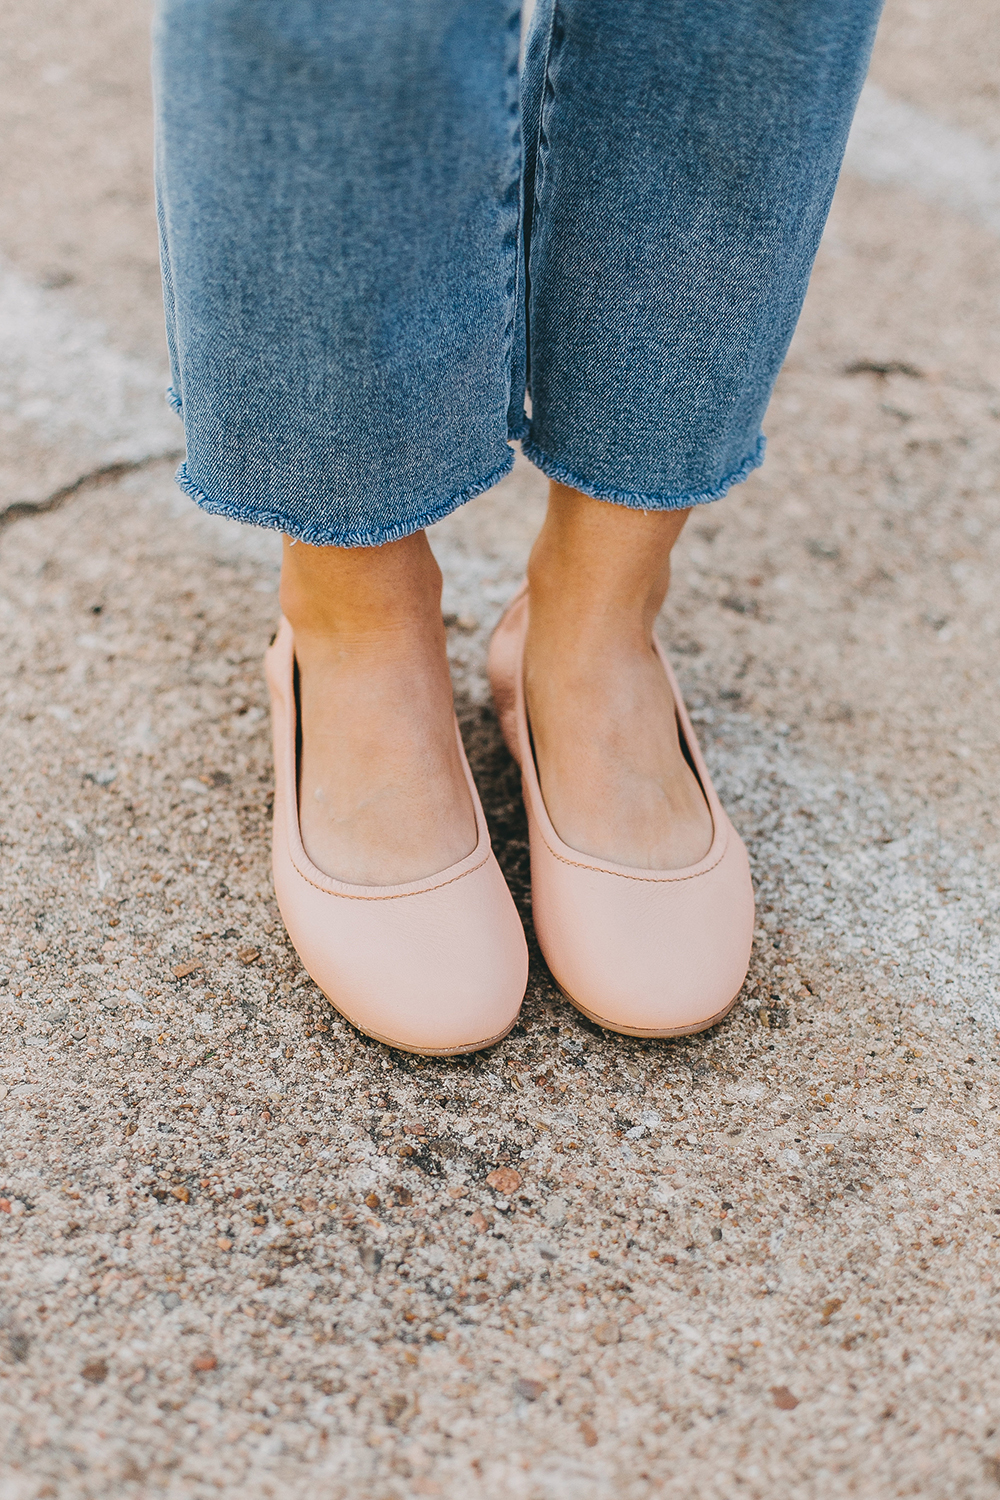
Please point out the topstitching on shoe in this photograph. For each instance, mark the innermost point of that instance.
(389, 895)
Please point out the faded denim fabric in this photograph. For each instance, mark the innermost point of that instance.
(360, 261)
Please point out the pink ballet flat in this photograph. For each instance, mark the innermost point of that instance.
(651, 953)
(438, 966)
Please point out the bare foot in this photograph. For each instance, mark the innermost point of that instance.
(612, 772)
(383, 798)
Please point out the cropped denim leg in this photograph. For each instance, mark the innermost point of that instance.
(680, 159)
(339, 200)
(346, 222)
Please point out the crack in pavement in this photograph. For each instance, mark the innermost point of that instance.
(106, 474)
(68, 398)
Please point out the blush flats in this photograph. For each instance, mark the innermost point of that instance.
(651, 953)
(437, 966)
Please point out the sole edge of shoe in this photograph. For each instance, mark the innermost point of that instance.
(409, 1047)
(657, 1034)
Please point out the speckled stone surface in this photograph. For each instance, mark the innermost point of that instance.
(246, 1252)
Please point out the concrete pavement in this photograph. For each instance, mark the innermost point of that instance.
(246, 1251)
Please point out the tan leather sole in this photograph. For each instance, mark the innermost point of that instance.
(388, 1041)
(664, 1034)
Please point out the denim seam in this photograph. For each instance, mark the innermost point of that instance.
(541, 108)
(535, 206)
(637, 499)
(174, 400)
(518, 231)
(316, 536)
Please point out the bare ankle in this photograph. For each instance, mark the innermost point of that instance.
(383, 795)
(600, 571)
(361, 593)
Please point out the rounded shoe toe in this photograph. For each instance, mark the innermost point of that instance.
(438, 971)
(653, 957)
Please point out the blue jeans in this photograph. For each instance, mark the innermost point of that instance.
(376, 236)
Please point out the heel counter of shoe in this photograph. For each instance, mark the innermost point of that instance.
(502, 665)
(278, 669)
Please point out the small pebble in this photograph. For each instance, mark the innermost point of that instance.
(528, 1390)
(505, 1180)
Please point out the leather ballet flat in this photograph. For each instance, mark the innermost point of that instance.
(437, 966)
(650, 953)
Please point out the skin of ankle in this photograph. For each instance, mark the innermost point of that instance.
(355, 593)
(382, 796)
(612, 772)
(598, 569)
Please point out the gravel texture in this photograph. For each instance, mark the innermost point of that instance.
(245, 1251)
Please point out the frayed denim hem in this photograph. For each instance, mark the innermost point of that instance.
(174, 400)
(317, 536)
(633, 499)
